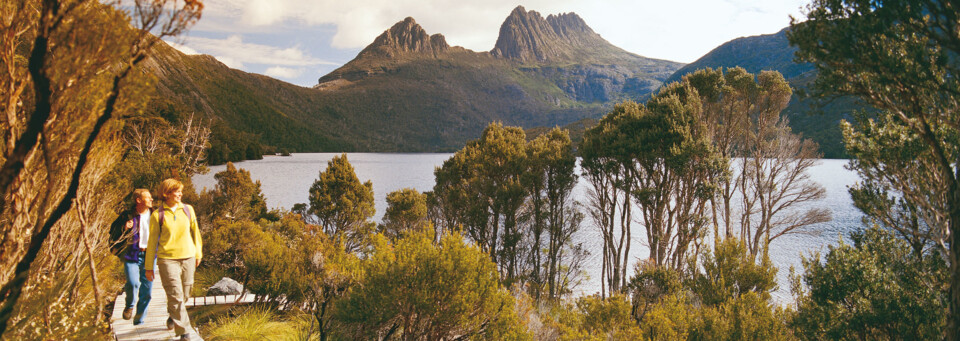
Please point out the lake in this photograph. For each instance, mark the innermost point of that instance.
(286, 181)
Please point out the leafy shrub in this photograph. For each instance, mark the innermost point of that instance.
(425, 291)
(877, 288)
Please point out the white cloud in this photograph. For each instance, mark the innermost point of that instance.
(234, 51)
(230, 62)
(263, 12)
(680, 30)
(182, 48)
(283, 72)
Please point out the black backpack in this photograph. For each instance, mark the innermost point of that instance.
(119, 235)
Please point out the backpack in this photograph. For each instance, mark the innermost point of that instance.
(119, 235)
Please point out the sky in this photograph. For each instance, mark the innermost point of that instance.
(298, 41)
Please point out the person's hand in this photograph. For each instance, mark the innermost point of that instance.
(149, 275)
(198, 261)
(129, 224)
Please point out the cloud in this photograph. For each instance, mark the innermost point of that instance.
(680, 30)
(283, 72)
(238, 52)
(263, 12)
(182, 48)
(230, 62)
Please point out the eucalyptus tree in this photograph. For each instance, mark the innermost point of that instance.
(900, 57)
(675, 168)
(658, 158)
(768, 178)
(549, 180)
(609, 200)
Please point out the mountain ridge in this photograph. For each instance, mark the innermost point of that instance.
(410, 91)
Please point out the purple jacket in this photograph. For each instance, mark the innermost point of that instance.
(126, 245)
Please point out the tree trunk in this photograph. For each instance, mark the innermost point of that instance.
(953, 323)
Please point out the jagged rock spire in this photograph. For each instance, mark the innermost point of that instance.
(406, 37)
(526, 36)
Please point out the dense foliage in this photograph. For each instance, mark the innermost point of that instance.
(512, 197)
(901, 58)
(876, 288)
(424, 291)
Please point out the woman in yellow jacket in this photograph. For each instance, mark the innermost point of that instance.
(175, 242)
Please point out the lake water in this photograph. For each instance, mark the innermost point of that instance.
(286, 181)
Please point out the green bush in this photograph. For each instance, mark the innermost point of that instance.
(877, 288)
(422, 290)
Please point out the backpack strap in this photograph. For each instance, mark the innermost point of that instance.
(190, 220)
(187, 210)
(160, 215)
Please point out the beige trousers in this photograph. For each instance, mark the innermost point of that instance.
(177, 278)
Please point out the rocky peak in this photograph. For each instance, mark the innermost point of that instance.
(406, 37)
(528, 37)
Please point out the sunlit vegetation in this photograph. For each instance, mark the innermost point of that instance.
(708, 167)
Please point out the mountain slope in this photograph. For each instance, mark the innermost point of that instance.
(577, 64)
(820, 122)
(410, 91)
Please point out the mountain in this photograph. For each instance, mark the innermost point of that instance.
(558, 60)
(756, 53)
(817, 121)
(410, 91)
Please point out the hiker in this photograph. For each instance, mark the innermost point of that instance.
(129, 234)
(175, 241)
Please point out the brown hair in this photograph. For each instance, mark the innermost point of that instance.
(169, 186)
(138, 193)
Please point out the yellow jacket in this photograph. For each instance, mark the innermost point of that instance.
(178, 239)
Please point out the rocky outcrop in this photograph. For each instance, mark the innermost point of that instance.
(599, 83)
(585, 66)
(527, 37)
(403, 38)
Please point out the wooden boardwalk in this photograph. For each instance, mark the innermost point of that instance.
(154, 325)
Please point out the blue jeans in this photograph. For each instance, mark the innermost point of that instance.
(137, 283)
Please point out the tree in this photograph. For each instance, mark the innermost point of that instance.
(406, 212)
(610, 199)
(157, 149)
(768, 175)
(480, 192)
(549, 179)
(342, 204)
(236, 196)
(675, 169)
(418, 290)
(900, 58)
(59, 123)
(876, 288)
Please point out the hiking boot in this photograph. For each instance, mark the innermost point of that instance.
(127, 313)
(170, 323)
